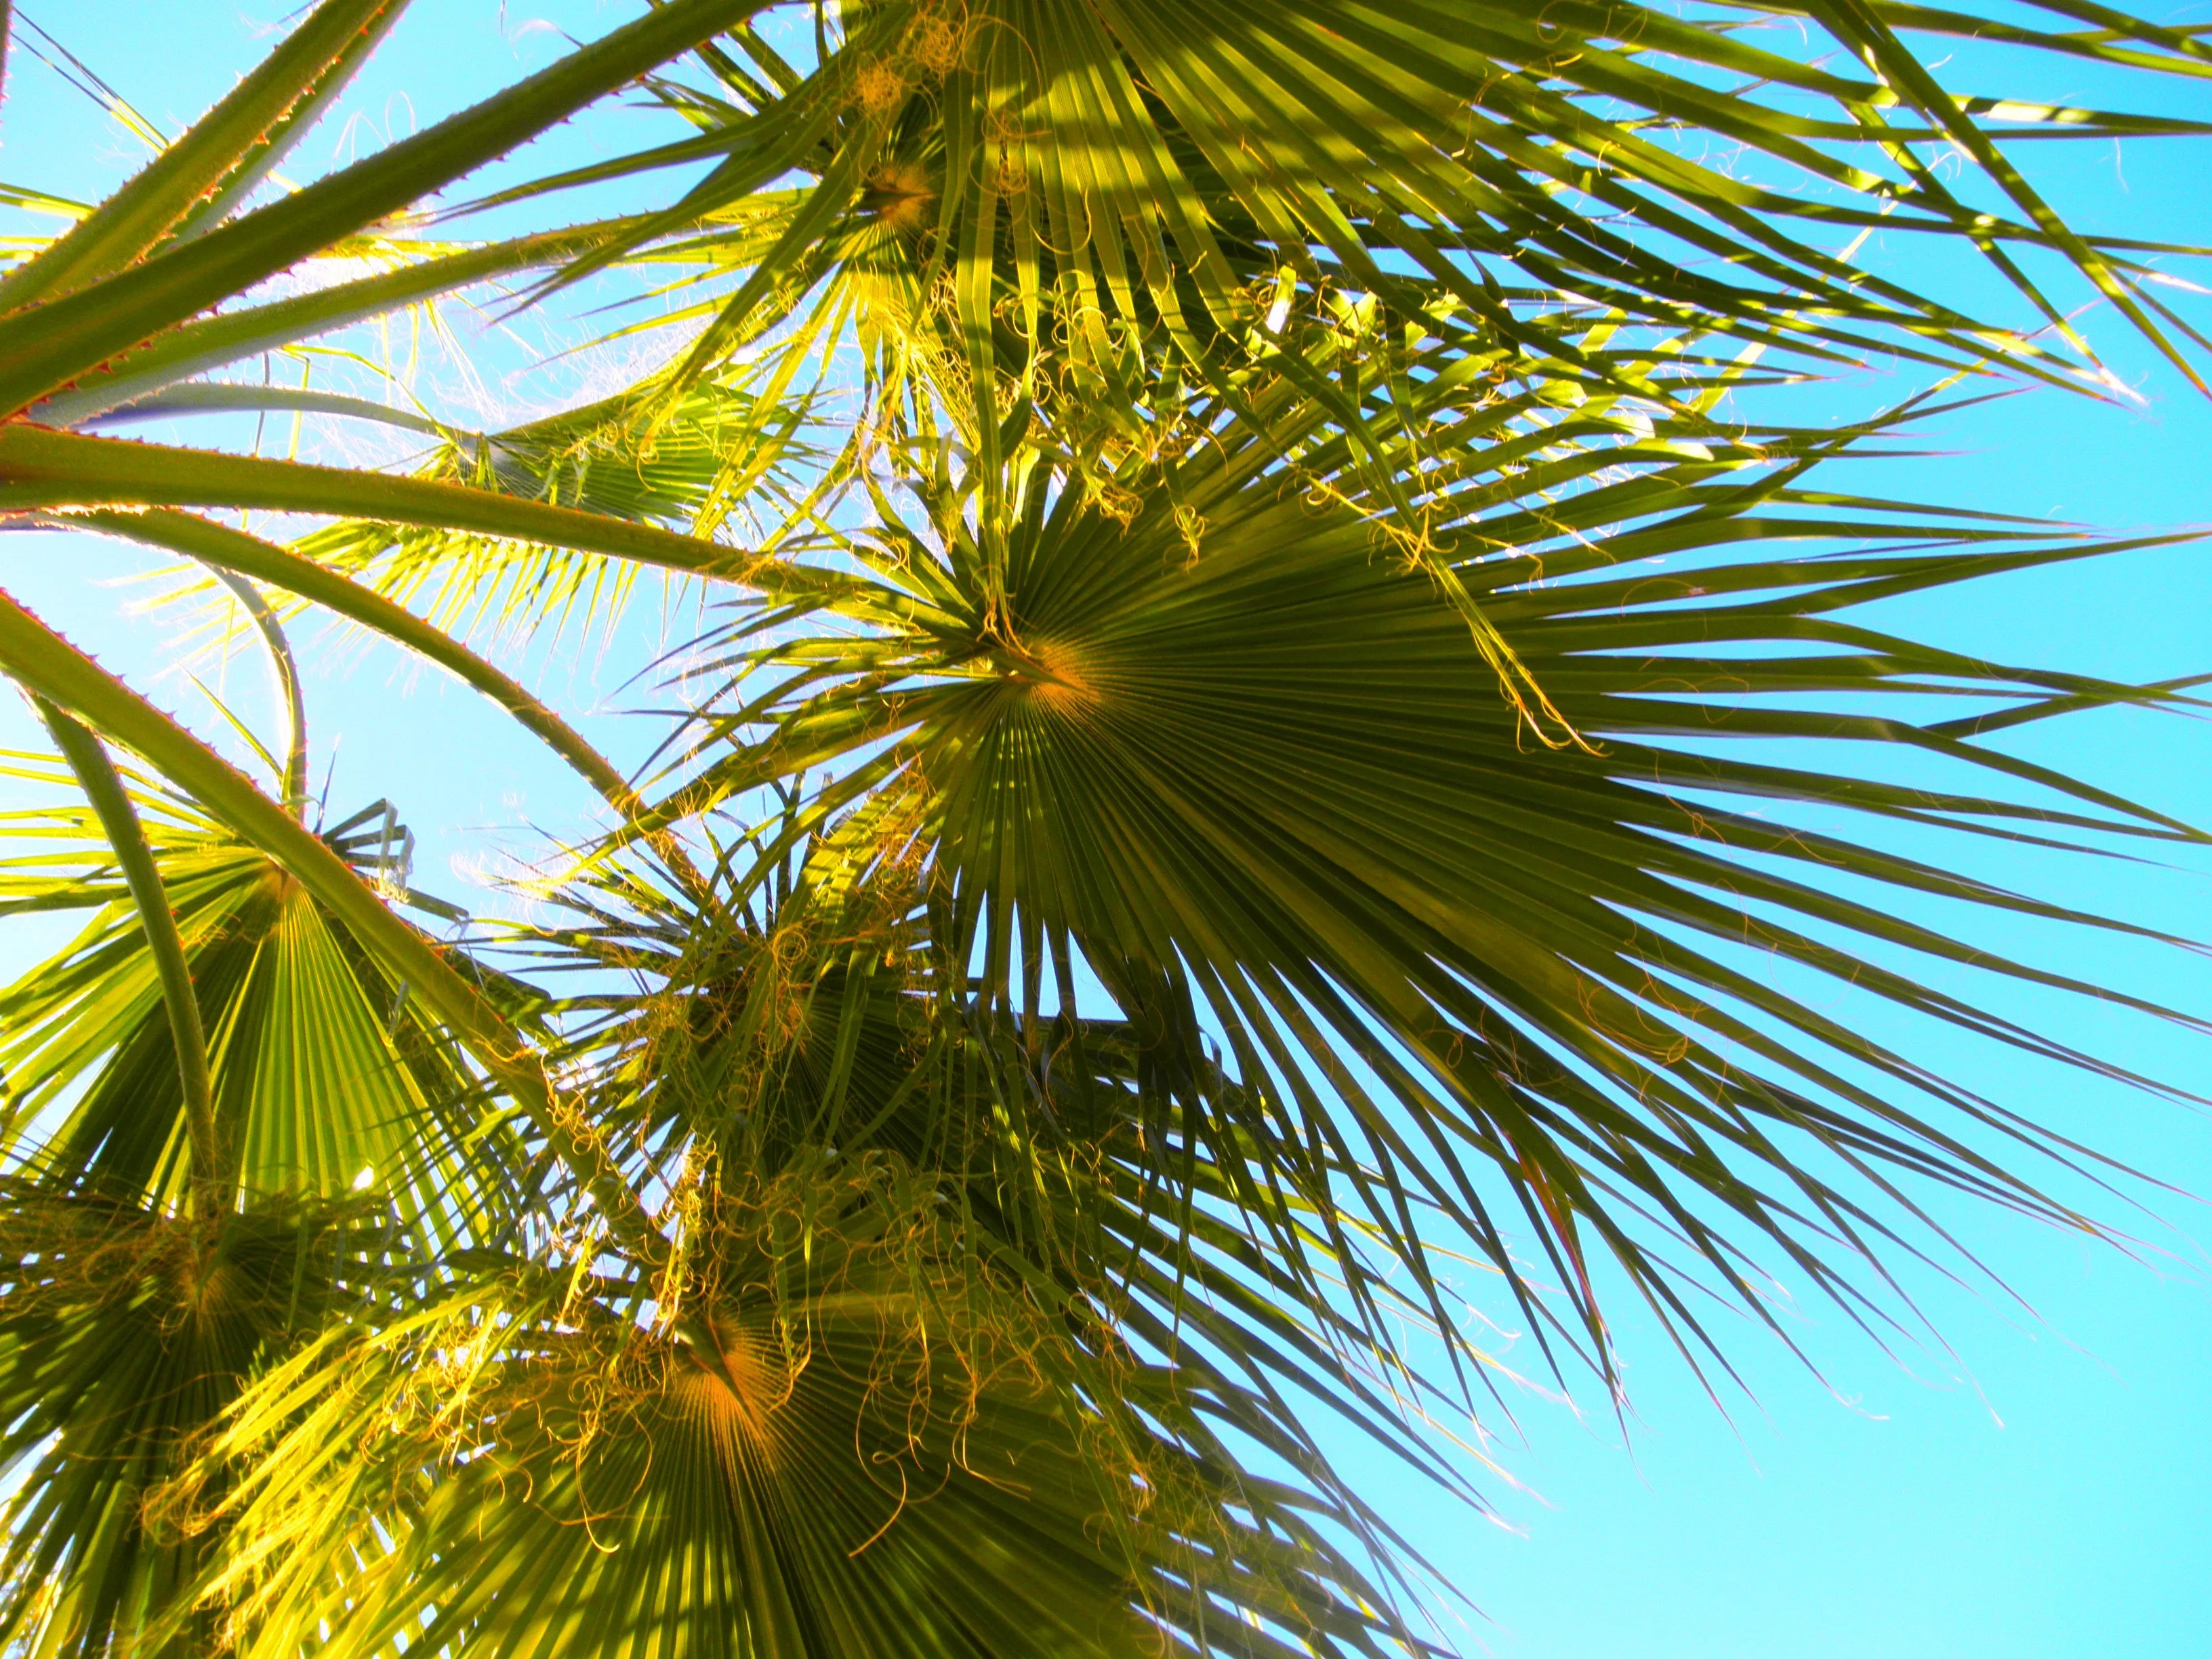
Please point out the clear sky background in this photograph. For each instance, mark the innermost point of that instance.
(2043, 1489)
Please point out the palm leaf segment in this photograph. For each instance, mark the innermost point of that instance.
(870, 1436)
(324, 1076)
(1058, 204)
(842, 1256)
(154, 1266)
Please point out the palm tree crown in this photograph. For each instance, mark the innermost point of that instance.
(1271, 609)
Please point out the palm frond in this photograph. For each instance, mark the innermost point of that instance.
(326, 1077)
(872, 1436)
(126, 1334)
(1243, 750)
(1075, 199)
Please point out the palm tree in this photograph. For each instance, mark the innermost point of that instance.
(1221, 788)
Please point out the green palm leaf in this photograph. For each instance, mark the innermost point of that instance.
(720, 450)
(871, 1436)
(1074, 196)
(1260, 767)
(223, 157)
(74, 333)
(124, 1335)
(325, 1079)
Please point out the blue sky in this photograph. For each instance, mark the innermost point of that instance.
(2041, 1490)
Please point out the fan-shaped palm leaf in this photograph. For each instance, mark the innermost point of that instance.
(325, 1078)
(1245, 751)
(873, 1436)
(124, 1334)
